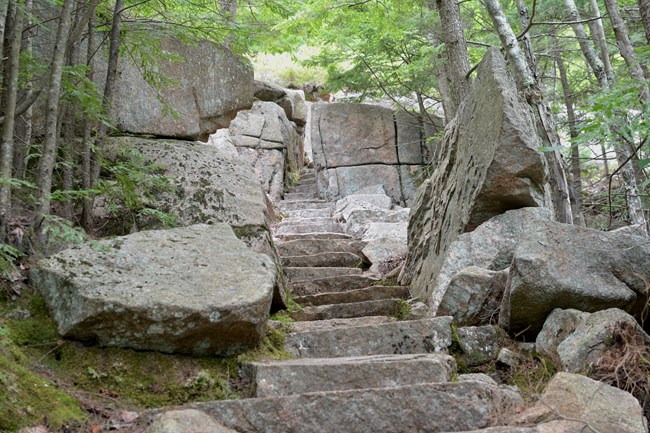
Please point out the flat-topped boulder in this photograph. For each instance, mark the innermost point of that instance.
(196, 290)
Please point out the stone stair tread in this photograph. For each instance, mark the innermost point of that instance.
(294, 274)
(400, 337)
(371, 293)
(318, 325)
(309, 213)
(331, 284)
(433, 407)
(307, 195)
(288, 205)
(328, 259)
(380, 307)
(313, 220)
(299, 376)
(302, 228)
(316, 246)
(319, 235)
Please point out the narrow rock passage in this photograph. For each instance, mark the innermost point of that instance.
(357, 368)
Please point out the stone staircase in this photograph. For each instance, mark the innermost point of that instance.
(357, 368)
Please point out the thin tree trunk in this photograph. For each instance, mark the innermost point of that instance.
(569, 103)
(524, 19)
(587, 49)
(48, 156)
(644, 11)
(9, 98)
(86, 146)
(598, 33)
(23, 128)
(625, 46)
(457, 65)
(4, 6)
(544, 119)
(109, 86)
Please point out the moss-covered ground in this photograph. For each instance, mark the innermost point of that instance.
(45, 380)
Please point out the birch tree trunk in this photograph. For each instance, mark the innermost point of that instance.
(644, 11)
(544, 118)
(598, 33)
(625, 46)
(50, 139)
(457, 65)
(10, 92)
(23, 128)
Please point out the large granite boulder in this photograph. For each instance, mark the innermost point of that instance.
(490, 247)
(206, 87)
(565, 266)
(196, 290)
(589, 404)
(267, 140)
(488, 163)
(211, 185)
(359, 145)
(558, 326)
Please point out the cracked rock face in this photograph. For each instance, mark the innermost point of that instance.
(360, 145)
(210, 86)
(565, 266)
(196, 290)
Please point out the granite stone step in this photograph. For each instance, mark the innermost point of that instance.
(298, 376)
(372, 293)
(331, 284)
(290, 205)
(308, 274)
(293, 220)
(320, 325)
(317, 246)
(300, 195)
(311, 236)
(309, 213)
(331, 259)
(382, 307)
(434, 407)
(401, 337)
(302, 228)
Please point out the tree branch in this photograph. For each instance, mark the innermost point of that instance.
(530, 22)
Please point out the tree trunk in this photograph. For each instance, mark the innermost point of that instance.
(598, 33)
(440, 73)
(48, 156)
(86, 145)
(625, 46)
(109, 86)
(587, 49)
(457, 65)
(524, 19)
(4, 6)
(23, 128)
(569, 103)
(644, 11)
(9, 98)
(543, 116)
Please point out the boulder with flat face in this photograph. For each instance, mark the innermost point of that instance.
(565, 266)
(207, 87)
(196, 290)
(488, 163)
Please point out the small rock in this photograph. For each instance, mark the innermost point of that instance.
(477, 377)
(509, 358)
(186, 421)
(558, 326)
(479, 344)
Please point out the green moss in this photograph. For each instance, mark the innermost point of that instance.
(402, 310)
(533, 374)
(271, 348)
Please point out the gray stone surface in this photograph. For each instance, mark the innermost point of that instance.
(473, 296)
(330, 259)
(317, 246)
(419, 408)
(339, 182)
(196, 289)
(591, 403)
(408, 337)
(267, 91)
(275, 378)
(410, 138)
(491, 246)
(345, 135)
(336, 283)
(380, 307)
(268, 166)
(359, 295)
(558, 326)
(591, 338)
(209, 87)
(309, 274)
(565, 266)
(479, 344)
(186, 421)
(488, 163)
